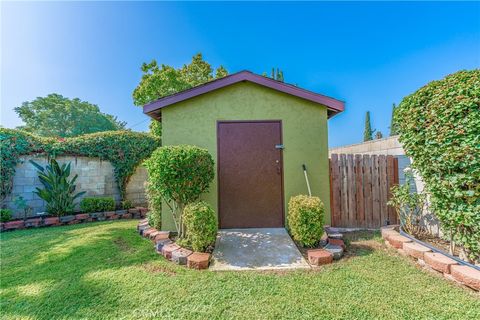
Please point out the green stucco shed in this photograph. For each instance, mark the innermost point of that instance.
(260, 132)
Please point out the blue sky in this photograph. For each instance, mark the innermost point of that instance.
(368, 54)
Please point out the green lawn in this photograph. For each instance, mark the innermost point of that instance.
(106, 271)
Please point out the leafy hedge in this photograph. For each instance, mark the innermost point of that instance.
(439, 128)
(98, 204)
(125, 150)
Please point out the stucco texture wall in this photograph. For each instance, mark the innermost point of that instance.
(304, 126)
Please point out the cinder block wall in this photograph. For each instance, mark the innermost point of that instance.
(94, 176)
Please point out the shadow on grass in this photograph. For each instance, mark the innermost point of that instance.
(43, 269)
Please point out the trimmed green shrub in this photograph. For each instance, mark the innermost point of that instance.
(305, 219)
(126, 204)
(125, 150)
(154, 198)
(97, 204)
(5, 215)
(201, 226)
(59, 191)
(439, 128)
(180, 174)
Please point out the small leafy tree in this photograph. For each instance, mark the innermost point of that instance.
(409, 206)
(58, 191)
(180, 174)
(439, 128)
(368, 132)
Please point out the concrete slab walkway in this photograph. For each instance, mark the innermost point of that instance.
(256, 249)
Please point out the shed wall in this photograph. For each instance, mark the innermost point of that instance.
(304, 126)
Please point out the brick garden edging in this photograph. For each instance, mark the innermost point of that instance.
(36, 222)
(332, 248)
(172, 251)
(435, 261)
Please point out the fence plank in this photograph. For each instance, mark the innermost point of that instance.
(343, 191)
(332, 198)
(360, 216)
(367, 170)
(335, 187)
(395, 182)
(352, 209)
(375, 191)
(390, 183)
(382, 166)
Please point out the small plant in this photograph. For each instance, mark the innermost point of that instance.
(5, 215)
(154, 198)
(99, 204)
(59, 191)
(305, 219)
(126, 204)
(180, 174)
(409, 206)
(21, 204)
(200, 226)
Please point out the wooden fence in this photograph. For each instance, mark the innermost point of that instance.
(360, 188)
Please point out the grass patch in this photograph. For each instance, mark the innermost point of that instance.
(106, 271)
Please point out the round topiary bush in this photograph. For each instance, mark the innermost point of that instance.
(305, 219)
(439, 128)
(201, 226)
(180, 174)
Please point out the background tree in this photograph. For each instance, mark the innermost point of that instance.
(378, 135)
(393, 125)
(368, 132)
(275, 75)
(57, 116)
(160, 81)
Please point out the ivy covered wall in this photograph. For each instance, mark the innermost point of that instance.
(124, 151)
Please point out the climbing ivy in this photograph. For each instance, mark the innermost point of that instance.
(439, 128)
(125, 150)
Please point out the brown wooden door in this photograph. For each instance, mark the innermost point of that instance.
(250, 174)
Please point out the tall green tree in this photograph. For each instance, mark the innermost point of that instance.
(58, 116)
(275, 75)
(393, 125)
(160, 81)
(368, 132)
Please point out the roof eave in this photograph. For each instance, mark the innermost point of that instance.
(333, 105)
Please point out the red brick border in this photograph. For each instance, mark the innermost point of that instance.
(438, 262)
(35, 222)
(171, 250)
